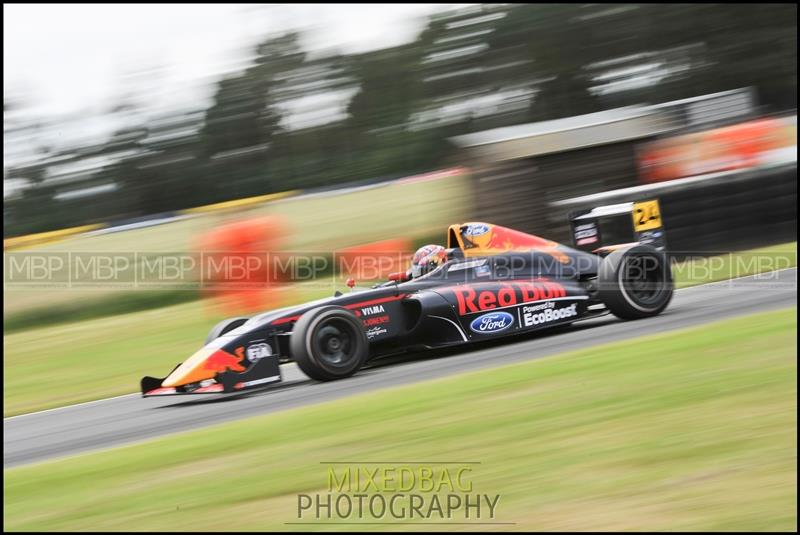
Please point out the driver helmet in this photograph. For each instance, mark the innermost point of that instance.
(426, 259)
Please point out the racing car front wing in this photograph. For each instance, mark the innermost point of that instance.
(261, 373)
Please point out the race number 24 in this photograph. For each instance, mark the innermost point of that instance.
(646, 216)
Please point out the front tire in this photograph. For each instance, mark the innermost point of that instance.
(329, 343)
(224, 326)
(635, 282)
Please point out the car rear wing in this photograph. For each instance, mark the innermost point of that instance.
(603, 229)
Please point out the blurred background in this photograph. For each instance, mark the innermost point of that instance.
(138, 130)
(334, 139)
(148, 110)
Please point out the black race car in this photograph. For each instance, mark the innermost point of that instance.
(496, 282)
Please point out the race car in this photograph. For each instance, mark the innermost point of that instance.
(493, 282)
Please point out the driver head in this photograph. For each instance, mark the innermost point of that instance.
(426, 259)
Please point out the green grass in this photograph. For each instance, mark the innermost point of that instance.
(315, 222)
(94, 359)
(735, 264)
(318, 224)
(69, 363)
(85, 307)
(695, 430)
(76, 362)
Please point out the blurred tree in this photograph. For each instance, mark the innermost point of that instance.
(755, 45)
(26, 157)
(552, 44)
(288, 120)
(245, 116)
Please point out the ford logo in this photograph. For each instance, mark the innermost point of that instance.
(492, 323)
(477, 230)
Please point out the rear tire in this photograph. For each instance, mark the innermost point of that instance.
(224, 326)
(635, 282)
(329, 343)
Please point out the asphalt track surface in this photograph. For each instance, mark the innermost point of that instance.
(112, 422)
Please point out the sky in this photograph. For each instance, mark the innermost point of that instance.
(77, 59)
(69, 65)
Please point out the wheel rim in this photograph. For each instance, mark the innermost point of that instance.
(333, 343)
(643, 279)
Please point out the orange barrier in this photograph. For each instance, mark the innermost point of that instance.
(739, 146)
(374, 261)
(236, 266)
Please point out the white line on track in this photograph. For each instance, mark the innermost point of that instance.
(70, 406)
(764, 274)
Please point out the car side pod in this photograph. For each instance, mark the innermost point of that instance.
(261, 373)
